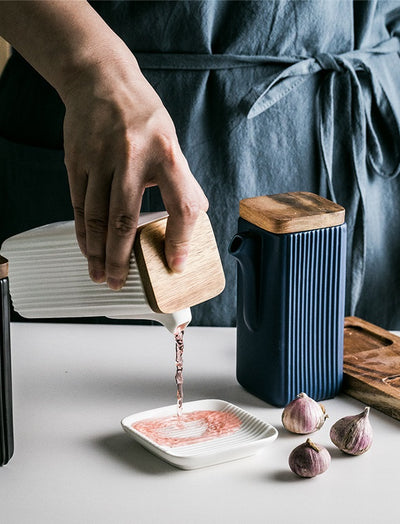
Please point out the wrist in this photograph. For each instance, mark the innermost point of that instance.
(88, 69)
(63, 40)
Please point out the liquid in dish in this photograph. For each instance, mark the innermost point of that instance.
(183, 429)
(188, 428)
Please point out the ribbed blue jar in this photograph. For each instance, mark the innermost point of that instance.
(290, 310)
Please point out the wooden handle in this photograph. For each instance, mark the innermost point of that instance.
(203, 277)
(372, 365)
(3, 267)
(291, 212)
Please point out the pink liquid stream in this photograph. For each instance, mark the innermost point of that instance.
(189, 428)
(179, 370)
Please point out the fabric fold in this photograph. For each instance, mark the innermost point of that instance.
(369, 91)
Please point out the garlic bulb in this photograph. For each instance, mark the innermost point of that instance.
(303, 415)
(353, 434)
(309, 459)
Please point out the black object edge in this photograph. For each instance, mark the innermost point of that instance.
(6, 418)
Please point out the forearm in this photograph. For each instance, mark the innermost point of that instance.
(60, 39)
(118, 136)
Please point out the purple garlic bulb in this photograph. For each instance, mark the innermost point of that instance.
(309, 459)
(303, 415)
(353, 434)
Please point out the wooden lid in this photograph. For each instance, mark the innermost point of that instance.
(3, 267)
(203, 277)
(291, 212)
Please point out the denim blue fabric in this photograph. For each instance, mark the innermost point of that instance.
(277, 96)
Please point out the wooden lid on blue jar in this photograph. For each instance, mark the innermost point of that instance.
(291, 212)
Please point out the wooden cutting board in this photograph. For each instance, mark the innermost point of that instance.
(372, 365)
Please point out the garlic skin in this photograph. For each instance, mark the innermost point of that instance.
(353, 434)
(303, 415)
(309, 460)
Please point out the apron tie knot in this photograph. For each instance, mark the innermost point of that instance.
(327, 61)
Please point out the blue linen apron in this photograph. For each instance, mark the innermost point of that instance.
(266, 97)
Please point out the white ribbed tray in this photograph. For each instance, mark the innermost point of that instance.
(252, 436)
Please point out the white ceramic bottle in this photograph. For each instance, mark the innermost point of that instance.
(49, 278)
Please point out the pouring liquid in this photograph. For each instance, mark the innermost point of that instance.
(187, 428)
(179, 370)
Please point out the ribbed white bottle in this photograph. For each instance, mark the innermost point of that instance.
(49, 278)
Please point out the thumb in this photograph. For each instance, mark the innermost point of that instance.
(177, 238)
(183, 199)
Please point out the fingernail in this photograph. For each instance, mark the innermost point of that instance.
(98, 276)
(178, 264)
(115, 283)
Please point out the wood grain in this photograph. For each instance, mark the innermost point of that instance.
(3, 267)
(291, 212)
(5, 53)
(372, 365)
(203, 277)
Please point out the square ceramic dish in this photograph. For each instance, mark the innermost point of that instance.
(252, 436)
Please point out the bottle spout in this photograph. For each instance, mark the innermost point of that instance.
(176, 321)
(245, 247)
(172, 321)
(237, 247)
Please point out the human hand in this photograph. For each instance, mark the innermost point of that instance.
(118, 137)
(118, 140)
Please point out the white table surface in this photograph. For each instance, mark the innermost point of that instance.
(74, 464)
